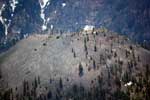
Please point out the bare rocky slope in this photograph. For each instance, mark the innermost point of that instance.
(100, 65)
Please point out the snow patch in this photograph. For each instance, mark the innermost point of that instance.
(128, 84)
(88, 27)
(2, 8)
(43, 3)
(25, 35)
(3, 20)
(42, 15)
(77, 23)
(52, 27)
(44, 27)
(12, 15)
(48, 19)
(55, 11)
(13, 4)
(63, 4)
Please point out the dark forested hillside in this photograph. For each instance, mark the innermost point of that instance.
(129, 17)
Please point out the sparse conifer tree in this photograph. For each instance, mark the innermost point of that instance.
(35, 83)
(60, 83)
(95, 48)
(38, 79)
(49, 95)
(80, 70)
(94, 64)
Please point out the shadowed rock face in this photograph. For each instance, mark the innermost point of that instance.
(130, 17)
(98, 65)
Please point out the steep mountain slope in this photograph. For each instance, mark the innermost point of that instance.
(97, 65)
(19, 18)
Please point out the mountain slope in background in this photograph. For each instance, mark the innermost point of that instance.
(98, 65)
(22, 17)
